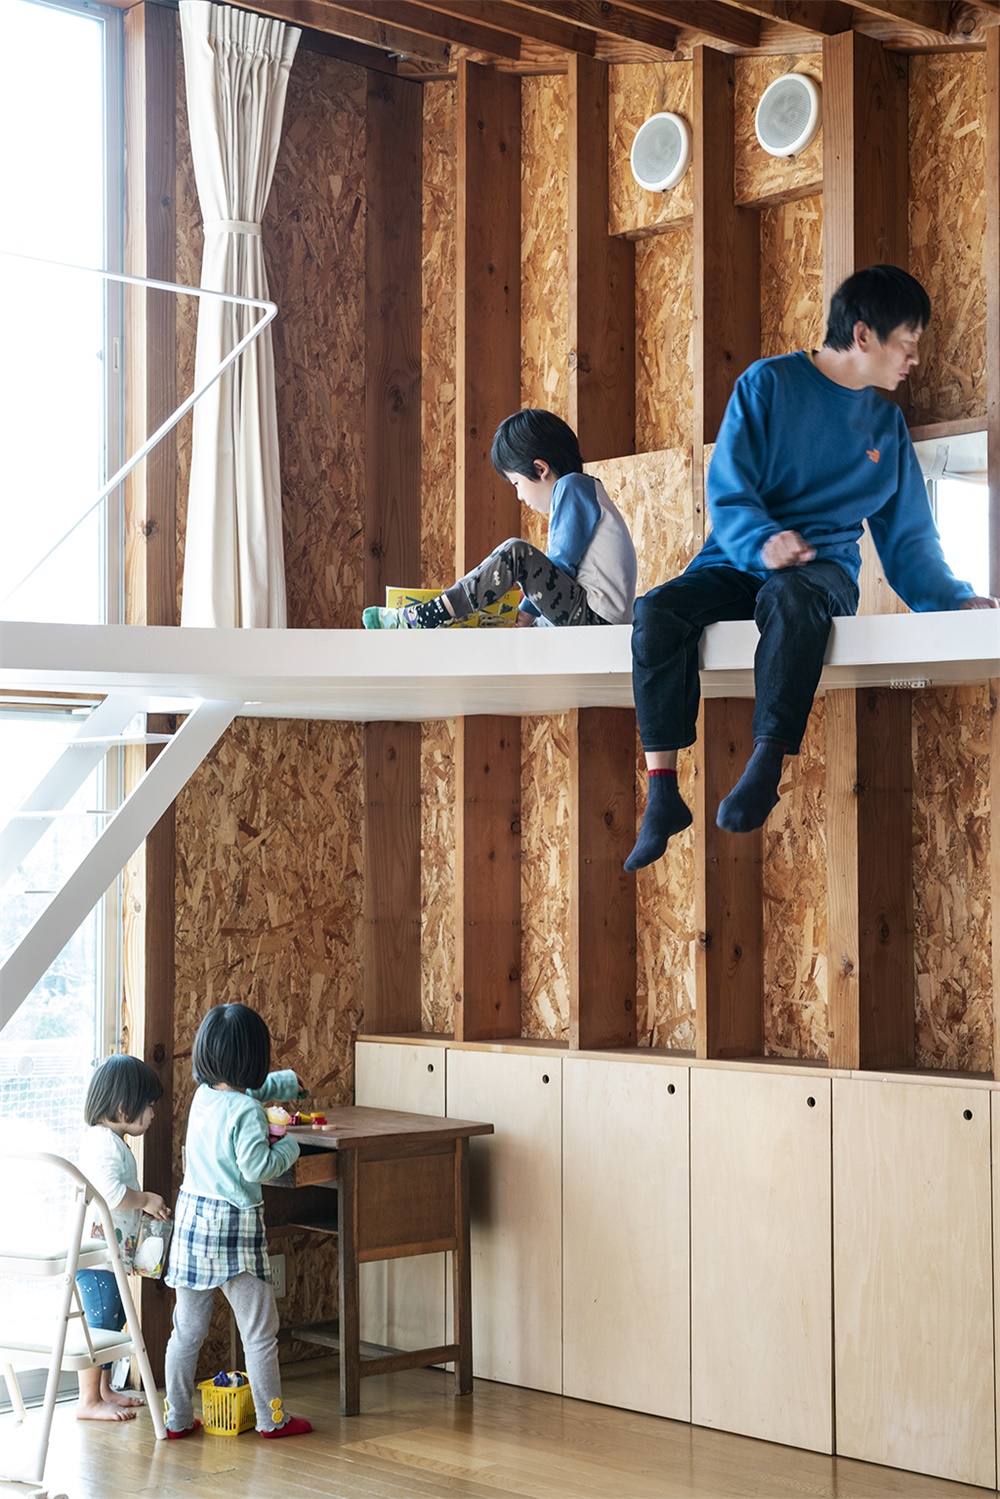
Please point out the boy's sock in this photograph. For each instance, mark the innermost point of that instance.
(666, 814)
(746, 807)
(411, 617)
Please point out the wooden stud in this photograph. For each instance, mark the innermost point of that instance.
(488, 373)
(488, 878)
(392, 878)
(602, 895)
(865, 172)
(488, 379)
(870, 894)
(991, 271)
(147, 1028)
(393, 144)
(729, 959)
(601, 280)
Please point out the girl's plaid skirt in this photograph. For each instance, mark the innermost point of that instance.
(213, 1242)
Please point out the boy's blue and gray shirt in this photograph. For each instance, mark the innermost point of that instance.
(589, 540)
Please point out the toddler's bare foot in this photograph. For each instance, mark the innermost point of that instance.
(103, 1410)
(123, 1398)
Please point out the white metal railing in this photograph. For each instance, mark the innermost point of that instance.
(269, 311)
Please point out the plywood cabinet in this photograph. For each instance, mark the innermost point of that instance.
(516, 1212)
(626, 1326)
(914, 1277)
(761, 1309)
(404, 1302)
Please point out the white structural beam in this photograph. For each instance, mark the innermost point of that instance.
(136, 817)
(77, 761)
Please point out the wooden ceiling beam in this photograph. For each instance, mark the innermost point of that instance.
(609, 19)
(822, 17)
(319, 15)
(455, 29)
(710, 18)
(928, 15)
(526, 23)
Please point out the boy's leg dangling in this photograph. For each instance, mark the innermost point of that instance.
(755, 794)
(666, 814)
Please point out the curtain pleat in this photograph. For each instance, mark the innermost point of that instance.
(236, 70)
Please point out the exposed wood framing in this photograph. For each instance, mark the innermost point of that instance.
(393, 166)
(392, 878)
(992, 277)
(458, 27)
(147, 1023)
(488, 378)
(729, 960)
(524, 23)
(602, 895)
(870, 882)
(723, 23)
(824, 17)
(610, 19)
(601, 281)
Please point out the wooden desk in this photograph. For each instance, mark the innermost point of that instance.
(401, 1185)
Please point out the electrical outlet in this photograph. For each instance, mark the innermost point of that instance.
(278, 1275)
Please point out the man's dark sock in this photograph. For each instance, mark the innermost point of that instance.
(666, 814)
(747, 806)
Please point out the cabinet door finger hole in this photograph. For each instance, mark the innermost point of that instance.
(671, 1088)
(967, 1114)
(545, 1077)
(811, 1102)
(430, 1066)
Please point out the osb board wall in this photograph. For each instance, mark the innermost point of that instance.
(951, 877)
(795, 969)
(437, 545)
(757, 176)
(545, 243)
(546, 746)
(664, 328)
(314, 248)
(268, 891)
(947, 229)
(653, 492)
(639, 90)
(791, 276)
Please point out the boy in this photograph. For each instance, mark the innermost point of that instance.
(587, 574)
(806, 452)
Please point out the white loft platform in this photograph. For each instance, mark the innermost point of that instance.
(366, 675)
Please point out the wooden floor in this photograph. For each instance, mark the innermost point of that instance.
(415, 1440)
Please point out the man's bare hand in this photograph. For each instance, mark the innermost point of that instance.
(979, 602)
(787, 549)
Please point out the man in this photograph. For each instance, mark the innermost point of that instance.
(807, 452)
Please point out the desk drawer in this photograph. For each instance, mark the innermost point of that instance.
(310, 1168)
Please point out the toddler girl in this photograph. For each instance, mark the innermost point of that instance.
(119, 1103)
(219, 1234)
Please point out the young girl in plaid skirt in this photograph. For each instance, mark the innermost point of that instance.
(219, 1232)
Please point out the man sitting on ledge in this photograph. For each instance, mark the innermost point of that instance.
(807, 452)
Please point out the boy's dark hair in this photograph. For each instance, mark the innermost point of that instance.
(883, 297)
(233, 1046)
(531, 434)
(121, 1083)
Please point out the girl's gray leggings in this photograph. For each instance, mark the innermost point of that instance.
(256, 1314)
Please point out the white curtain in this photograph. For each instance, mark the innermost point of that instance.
(236, 67)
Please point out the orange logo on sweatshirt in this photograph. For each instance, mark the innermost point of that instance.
(873, 454)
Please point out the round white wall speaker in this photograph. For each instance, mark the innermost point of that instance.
(789, 113)
(661, 152)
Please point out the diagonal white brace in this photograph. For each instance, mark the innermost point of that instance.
(100, 867)
(65, 778)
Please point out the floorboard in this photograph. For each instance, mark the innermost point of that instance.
(415, 1440)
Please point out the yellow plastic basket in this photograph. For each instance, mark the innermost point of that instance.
(226, 1410)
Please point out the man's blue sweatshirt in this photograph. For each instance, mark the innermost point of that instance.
(797, 452)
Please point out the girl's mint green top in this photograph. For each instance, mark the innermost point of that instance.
(227, 1153)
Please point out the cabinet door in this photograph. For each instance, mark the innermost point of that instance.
(913, 1277)
(761, 1337)
(516, 1213)
(626, 1325)
(403, 1301)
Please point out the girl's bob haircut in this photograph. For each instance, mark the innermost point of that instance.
(233, 1046)
(120, 1089)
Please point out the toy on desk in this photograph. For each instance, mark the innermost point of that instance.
(278, 1120)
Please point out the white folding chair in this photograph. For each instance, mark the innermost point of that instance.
(65, 1342)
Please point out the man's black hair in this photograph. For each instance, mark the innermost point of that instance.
(531, 434)
(883, 297)
(120, 1083)
(233, 1046)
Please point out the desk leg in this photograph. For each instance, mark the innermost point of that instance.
(350, 1316)
(462, 1271)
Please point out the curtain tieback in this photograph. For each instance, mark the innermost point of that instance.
(231, 226)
